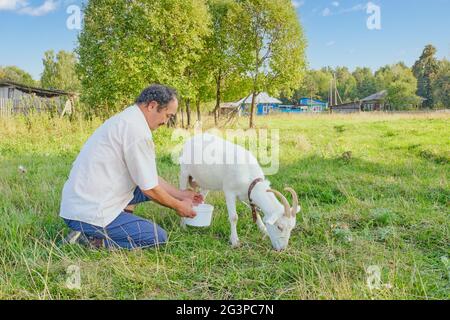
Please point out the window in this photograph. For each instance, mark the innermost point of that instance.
(10, 93)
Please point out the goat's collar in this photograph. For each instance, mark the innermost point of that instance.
(250, 189)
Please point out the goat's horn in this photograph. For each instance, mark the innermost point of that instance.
(287, 207)
(294, 201)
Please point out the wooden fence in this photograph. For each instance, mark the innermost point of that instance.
(6, 106)
(27, 105)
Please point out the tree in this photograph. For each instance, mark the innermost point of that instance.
(48, 77)
(59, 71)
(441, 85)
(346, 84)
(400, 84)
(425, 70)
(309, 87)
(271, 46)
(18, 75)
(217, 61)
(127, 45)
(365, 82)
(316, 85)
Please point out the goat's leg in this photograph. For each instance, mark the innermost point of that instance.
(204, 193)
(184, 178)
(261, 225)
(233, 218)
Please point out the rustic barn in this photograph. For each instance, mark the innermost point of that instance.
(16, 98)
(374, 102)
(350, 107)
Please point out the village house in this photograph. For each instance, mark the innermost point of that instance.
(374, 102)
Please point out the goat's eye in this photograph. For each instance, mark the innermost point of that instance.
(280, 228)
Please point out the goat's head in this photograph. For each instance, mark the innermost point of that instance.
(279, 218)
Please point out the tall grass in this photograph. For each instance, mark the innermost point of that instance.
(374, 190)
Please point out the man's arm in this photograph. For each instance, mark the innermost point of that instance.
(170, 189)
(183, 208)
(180, 194)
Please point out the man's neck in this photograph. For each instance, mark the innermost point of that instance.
(144, 113)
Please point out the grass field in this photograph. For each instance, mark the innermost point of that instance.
(386, 205)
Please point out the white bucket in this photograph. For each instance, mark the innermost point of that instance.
(203, 218)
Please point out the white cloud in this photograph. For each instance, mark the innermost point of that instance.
(326, 12)
(330, 43)
(359, 7)
(297, 3)
(24, 7)
(46, 7)
(12, 4)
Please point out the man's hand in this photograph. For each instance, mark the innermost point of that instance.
(195, 197)
(182, 206)
(184, 209)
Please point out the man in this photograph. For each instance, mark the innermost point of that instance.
(115, 170)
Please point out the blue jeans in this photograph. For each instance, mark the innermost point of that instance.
(126, 231)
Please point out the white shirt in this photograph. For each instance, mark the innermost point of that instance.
(119, 156)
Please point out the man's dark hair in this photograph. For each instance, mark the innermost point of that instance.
(159, 93)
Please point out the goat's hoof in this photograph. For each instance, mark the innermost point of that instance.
(236, 244)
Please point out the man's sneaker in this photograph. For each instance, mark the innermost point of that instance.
(72, 237)
(80, 238)
(95, 243)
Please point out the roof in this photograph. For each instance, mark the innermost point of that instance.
(262, 97)
(376, 96)
(38, 91)
(308, 101)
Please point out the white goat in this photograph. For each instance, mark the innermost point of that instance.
(216, 164)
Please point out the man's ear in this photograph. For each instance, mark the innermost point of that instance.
(152, 105)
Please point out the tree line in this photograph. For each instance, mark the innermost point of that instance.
(59, 73)
(214, 51)
(425, 85)
(207, 49)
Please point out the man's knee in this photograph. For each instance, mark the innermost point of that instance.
(152, 234)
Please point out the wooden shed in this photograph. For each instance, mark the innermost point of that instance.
(350, 107)
(18, 98)
(374, 102)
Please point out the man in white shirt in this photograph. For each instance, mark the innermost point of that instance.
(115, 170)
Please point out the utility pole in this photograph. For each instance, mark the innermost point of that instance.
(335, 88)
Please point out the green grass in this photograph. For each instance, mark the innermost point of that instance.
(384, 203)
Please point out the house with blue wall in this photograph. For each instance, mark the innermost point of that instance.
(312, 105)
(265, 104)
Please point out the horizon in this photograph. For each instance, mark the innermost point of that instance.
(398, 33)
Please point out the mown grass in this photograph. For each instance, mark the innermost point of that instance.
(374, 190)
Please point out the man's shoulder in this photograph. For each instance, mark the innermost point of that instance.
(133, 122)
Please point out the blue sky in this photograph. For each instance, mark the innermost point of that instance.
(336, 31)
